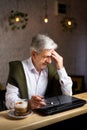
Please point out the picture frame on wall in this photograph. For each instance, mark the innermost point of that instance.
(78, 83)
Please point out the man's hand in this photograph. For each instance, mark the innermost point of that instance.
(58, 59)
(36, 102)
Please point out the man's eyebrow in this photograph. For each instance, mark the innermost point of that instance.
(47, 56)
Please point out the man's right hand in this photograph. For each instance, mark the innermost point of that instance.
(36, 102)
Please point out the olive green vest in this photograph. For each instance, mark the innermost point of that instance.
(17, 78)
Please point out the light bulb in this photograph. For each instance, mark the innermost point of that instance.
(46, 20)
(69, 23)
(17, 19)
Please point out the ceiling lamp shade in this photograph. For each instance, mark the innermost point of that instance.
(68, 24)
(17, 20)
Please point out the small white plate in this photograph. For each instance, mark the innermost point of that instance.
(12, 114)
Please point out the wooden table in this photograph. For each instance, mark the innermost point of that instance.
(35, 121)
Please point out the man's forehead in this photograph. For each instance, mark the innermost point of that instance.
(47, 52)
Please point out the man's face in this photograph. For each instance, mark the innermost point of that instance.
(42, 59)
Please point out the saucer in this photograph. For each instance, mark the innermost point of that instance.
(11, 113)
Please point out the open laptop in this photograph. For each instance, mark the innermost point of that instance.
(60, 103)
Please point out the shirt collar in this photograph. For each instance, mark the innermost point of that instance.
(32, 67)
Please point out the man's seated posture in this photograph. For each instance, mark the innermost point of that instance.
(42, 74)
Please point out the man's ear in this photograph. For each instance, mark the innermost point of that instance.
(33, 53)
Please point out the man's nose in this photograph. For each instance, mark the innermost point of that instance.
(49, 60)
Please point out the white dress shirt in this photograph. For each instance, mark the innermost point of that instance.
(36, 83)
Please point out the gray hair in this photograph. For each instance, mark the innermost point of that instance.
(41, 42)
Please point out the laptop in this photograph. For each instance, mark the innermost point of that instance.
(60, 103)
